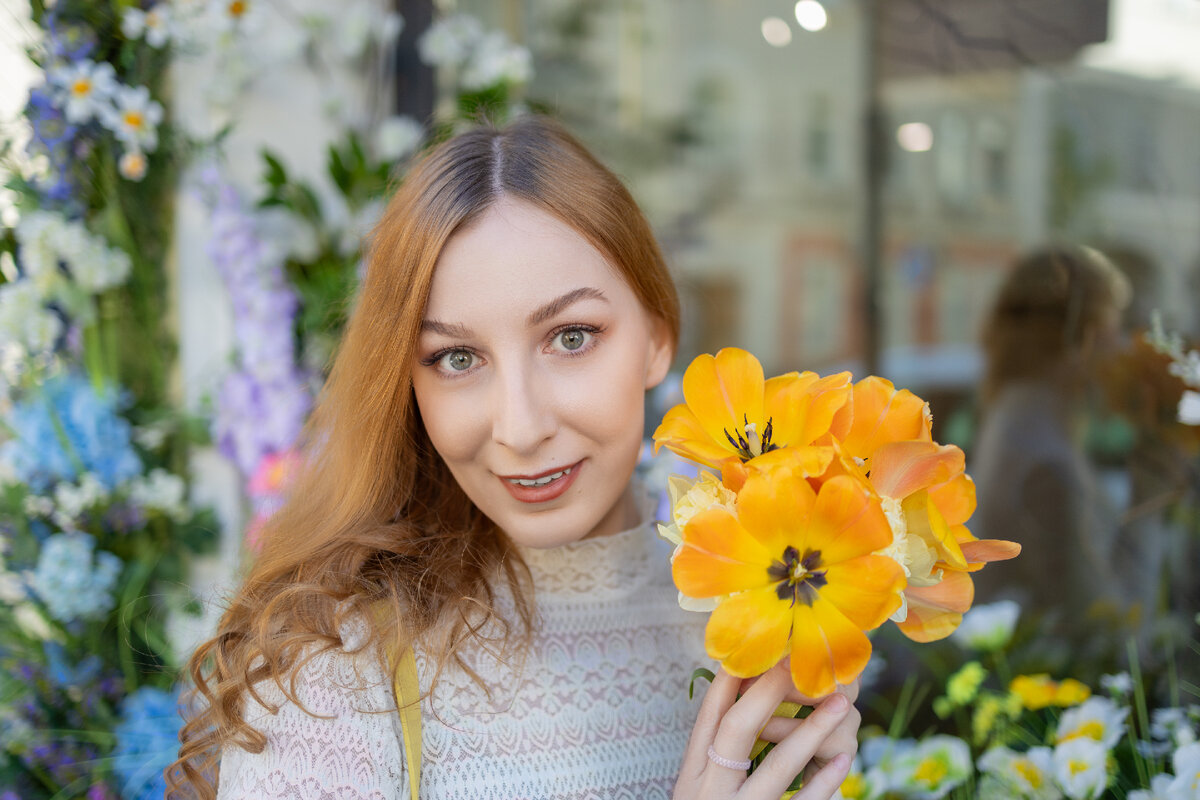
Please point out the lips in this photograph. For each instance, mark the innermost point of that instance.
(541, 487)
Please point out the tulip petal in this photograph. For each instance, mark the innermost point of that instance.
(955, 499)
(866, 589)
(724, 391)
(775, 508)
(802, 406)
(719, 557)
(983, 551)
(682, 434)
(923, 519)
(846, 522)
(934, 612)
(878, 413)
(748, 633)
(900, 468)
(827, 649)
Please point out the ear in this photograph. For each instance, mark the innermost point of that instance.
(660, 351)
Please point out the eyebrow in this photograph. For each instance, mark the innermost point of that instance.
(540, 315)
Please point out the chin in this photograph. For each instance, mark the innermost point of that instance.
(549, 528)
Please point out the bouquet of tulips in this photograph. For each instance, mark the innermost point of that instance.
(832, 511)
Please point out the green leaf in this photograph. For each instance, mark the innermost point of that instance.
(276, 175)
(699, 672)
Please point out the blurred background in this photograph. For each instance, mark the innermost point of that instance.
(991, 203)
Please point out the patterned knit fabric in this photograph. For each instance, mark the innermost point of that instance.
(597, 708)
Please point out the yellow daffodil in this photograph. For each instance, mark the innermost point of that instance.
(795, 573)
(1041, 691)
(733, 415)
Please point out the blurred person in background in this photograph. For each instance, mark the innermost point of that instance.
(1055, 323)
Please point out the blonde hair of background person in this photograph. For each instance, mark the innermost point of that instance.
(394, 526)
(1056, 308)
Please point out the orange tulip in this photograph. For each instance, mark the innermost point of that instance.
(928, 498)
(796, 574)
(732, 415)
(877, 413)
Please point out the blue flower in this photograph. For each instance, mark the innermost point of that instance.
(69, 583)
(147, 741)
(68, 411)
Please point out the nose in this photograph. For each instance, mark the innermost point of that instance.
(522, 416)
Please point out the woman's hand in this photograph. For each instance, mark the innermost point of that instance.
(821, 746)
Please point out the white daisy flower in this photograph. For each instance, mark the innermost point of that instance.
(1081, 768)
(987, 627)
(1027, 775)
(1159, 786)
(154, 24)
(84, 89)
(931, 769)
(1186, 785)
(134, 118)
(1098, 719)
(236, 16)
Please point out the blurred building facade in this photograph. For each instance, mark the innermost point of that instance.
(744, 145)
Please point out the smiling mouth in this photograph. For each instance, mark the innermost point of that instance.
(541, 488)
(544, 480)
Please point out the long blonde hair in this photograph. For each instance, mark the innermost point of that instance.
(375, 519)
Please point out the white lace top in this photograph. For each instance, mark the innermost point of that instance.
(598, 708)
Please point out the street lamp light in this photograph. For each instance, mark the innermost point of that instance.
(811, 15)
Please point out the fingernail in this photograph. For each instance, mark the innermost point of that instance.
(836, 703)
(841, 762)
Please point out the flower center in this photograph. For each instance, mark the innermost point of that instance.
(81, 87)
(133, 119)
(930, 772)
(799, 577)
(1027, 770)
(748, 443)
(1075, 766)
(237, 8)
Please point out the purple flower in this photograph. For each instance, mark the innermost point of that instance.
(67, 41)
(262, 406)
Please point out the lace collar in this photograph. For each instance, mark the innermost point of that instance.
(604, 568)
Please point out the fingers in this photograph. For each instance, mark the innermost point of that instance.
(822, 785)
(720, 696)
(790, 756)
(739, 728)
(844, 738)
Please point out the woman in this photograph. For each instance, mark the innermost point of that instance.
(469, 495)
(1054, 324)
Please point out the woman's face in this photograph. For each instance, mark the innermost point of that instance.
(530, 374)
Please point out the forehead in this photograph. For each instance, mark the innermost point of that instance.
(515, 256)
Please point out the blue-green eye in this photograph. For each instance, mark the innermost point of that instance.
(458, 360)
(573, 339)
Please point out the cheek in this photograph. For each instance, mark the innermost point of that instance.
(608, 403)
(452, 421)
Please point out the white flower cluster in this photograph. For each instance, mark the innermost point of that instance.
(61, 263)
(161, 491)
(482, 59)
(72, 500)
(88, 91)
(1185, 365)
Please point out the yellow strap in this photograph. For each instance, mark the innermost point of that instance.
(408, 697)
